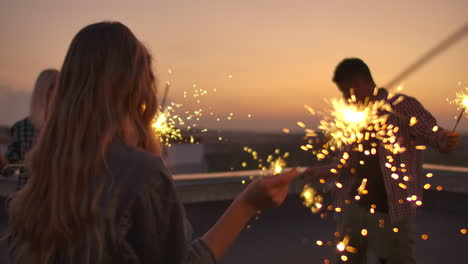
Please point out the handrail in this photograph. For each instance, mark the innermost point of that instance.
(248, 173)
(445, 168)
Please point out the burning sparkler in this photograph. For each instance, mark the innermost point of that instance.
(352, 123)
(312, 199)
(172, 120)
(273, 165)
(164, 125)
(461, 101)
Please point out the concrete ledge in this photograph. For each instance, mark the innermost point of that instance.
(206, 187)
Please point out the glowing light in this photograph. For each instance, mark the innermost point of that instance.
(351, 249)
(312, 199)
(165, 128)
(277, 165)
(350, 121)
(319, 243)
(273, 165)
(301, 124)
(341, 246)
(351, 116)
(461, 100)
(463, 231)
(364, 232)
(425, 237)
(362, 187)
(395, 230)
(429, 175)
(344, 258)
(413, 121)
(175, 118)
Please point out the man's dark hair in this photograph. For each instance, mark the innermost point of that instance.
(349, 68)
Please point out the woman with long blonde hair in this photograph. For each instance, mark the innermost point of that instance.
(98, 190)
(24, 132)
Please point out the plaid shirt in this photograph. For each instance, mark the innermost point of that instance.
(409, 162)
(23, 135)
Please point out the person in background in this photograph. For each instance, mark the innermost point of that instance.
(25, 131)
(385, 211)
(98, 190)
(2, 162)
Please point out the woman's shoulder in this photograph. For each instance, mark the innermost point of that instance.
(137, 175)
(135, 167)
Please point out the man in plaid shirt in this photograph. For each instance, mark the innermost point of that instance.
(381, 222)
(23, 135)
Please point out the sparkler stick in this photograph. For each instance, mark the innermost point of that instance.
(438, 49)
(166, 92)
(459, 117)
(461, 100)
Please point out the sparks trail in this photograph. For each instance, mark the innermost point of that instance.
(461, 100)
(273, 164)
(429, 55)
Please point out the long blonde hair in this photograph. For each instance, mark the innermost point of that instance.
(42, 96)
(106, 91)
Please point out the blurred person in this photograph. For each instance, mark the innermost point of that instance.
(24, 132)
(2, 162)
(391, 233)
(98, 190)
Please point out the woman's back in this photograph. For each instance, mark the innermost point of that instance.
(150, 224)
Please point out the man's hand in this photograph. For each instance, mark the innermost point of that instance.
(453, 139)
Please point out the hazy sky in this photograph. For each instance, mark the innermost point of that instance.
(281, 54)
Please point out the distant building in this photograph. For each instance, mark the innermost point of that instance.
(186, 158)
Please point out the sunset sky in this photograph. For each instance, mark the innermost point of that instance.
(281, 54)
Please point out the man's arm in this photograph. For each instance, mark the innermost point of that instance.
(423, 126)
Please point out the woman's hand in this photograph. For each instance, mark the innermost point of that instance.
(264, 192)
(267, 191)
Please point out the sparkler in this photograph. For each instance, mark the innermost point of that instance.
(164, 125)
(351, 123)
(172, 120)
(274, 165)
(312, 199)
(461, 101)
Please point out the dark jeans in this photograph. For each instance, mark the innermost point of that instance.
(381, 244)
